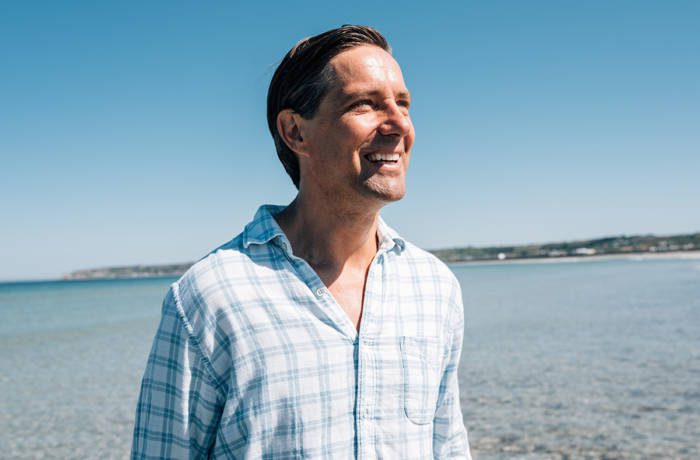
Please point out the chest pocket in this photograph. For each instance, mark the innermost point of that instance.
(421, 360)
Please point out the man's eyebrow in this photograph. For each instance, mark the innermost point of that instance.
(351, 95)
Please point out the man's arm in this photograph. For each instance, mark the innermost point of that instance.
(449, 434)
(179, 407)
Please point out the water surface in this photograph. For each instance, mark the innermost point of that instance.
(595, 359)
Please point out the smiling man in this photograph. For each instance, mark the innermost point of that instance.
(318, 332)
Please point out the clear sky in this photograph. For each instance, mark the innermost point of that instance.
(135, 132)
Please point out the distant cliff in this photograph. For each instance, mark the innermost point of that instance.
(583, 248)
(132, 271)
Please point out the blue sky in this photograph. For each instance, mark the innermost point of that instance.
(134, 132)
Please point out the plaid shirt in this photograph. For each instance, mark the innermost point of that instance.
(254, 359)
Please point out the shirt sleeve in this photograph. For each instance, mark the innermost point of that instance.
(180, 405)
(449, 434)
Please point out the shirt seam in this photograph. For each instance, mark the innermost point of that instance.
(196, 344)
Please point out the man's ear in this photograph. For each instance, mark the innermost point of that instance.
(290, 128)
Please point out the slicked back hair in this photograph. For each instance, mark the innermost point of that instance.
(303, 78)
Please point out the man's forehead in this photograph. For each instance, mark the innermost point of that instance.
(363, 69)
(371, 59)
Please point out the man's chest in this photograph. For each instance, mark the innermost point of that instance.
(298, 360)
(296, 303)
(298, 332)
(347, 289)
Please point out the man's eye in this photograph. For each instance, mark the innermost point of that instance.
(365, 103)
(406, 103)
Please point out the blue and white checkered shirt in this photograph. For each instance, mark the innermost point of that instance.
(254, 359)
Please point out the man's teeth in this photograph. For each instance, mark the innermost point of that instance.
(383, 157)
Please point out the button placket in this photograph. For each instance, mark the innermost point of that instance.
(368, 383)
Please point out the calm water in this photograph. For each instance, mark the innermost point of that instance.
(596, 359)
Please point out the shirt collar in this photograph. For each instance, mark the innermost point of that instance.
(388, 238)
(264, 228)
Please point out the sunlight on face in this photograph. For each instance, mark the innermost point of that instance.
(361, 136)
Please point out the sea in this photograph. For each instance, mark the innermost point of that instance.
(595, 359)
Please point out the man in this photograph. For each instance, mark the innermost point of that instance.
(317, 332)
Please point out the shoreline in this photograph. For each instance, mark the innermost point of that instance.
(636, 256)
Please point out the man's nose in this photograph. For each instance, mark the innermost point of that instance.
(396, 121)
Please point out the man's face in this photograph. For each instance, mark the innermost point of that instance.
(359, 140)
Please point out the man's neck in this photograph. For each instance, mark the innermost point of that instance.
(329, 238)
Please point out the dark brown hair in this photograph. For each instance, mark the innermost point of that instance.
(302, 79)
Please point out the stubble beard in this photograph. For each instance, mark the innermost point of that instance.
(384, 189)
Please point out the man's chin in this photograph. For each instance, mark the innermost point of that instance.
(385, 192)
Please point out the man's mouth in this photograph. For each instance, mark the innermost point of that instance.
(380, 158)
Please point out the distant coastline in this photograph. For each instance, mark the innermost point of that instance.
(684, 255)
(618, 247)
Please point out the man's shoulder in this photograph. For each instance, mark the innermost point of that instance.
(239, 261)
(423, 260)
(231, 263)
(230, 250)
(201, 297)
(422, 272)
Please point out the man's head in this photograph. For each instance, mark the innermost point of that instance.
(338, 104)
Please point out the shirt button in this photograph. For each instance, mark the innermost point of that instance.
(320, 292)
(365, 412)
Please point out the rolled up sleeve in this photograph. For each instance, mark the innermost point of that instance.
(180, 404)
